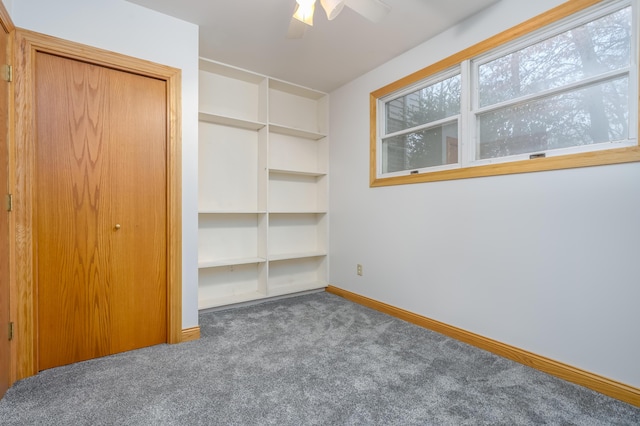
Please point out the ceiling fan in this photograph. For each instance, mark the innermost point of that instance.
(373, 10)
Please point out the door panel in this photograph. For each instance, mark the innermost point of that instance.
(72, 146)
(100, 208)
(138, 192)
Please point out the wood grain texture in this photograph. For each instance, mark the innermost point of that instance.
(139, 200)
(5, 20)
(567, 372)
(189, 334)
(5, 244)
(100, 210)
(173, 78)
(28, 44)
(587, 159)
(373, 140)
(23, 350)
(71, 193)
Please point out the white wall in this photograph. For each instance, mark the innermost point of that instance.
(546, 262)
(123, 27)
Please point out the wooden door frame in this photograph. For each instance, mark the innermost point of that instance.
(24, 286)
(8, 28)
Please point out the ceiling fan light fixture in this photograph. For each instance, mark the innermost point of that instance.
(332, 7)
(304, 11)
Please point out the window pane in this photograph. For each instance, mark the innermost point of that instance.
(427, 148)
(431, 103)
(593, 114)
(591, 49)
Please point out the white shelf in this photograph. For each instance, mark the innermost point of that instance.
(229, 164)
(228, 239)
(230, 121)
(297, 192)
(292, 131)
(263, 182)
(294, 109)
(230, 262)
(297, 212)
(232, 96)
(231, 284)
(295, 236)
(297, 172)
(289, 274)
(290, 256)
(294, 154)
(234, 73)
(240, 212)
(296, 90)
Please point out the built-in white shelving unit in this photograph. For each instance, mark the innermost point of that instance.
(263, 183)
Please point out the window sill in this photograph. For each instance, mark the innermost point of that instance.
(586, 159)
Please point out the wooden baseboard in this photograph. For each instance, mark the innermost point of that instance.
(189, 334)
(612, 388)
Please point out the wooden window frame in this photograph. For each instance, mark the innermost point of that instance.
(575, 160)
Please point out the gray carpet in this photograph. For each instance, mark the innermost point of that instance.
(310, 360)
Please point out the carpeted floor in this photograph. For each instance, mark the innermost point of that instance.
(310, 360)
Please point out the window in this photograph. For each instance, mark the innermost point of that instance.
(562, 96)
(421, 127)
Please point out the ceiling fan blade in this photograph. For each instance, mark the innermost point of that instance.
(296, 29)
(373, 10)
(332, 8)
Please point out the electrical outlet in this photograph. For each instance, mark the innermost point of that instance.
(359, 269)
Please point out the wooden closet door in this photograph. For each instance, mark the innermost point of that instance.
(138, 198)
(100, 203)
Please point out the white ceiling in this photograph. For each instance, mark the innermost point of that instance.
(251, 34)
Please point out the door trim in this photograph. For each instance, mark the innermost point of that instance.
(23, 291)
(7, 27)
